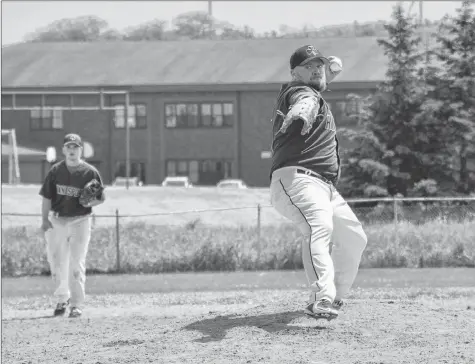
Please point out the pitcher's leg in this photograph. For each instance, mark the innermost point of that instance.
(57, 250)
(307, 203)
(349, 243)
(80, 236)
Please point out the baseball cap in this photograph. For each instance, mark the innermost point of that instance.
(304, 54)
(73, 139)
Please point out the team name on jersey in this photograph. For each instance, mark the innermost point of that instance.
(68, 191)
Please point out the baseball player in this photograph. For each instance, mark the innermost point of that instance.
(67, 224)
(305, 169)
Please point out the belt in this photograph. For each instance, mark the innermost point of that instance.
(314, 174)
(56, 214)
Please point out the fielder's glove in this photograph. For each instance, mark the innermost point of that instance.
(305, 109)
(91, 191)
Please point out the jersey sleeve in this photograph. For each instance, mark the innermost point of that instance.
(302, 93)
(48, 188)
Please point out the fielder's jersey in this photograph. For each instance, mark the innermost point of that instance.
(317, 150)
(63, 188)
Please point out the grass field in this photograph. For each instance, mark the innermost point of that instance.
(155, 200)
(392, 316)
(216, 240)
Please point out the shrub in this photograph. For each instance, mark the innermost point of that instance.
(147, 248)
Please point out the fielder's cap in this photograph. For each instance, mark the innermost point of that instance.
(73, 139)
(305, 54)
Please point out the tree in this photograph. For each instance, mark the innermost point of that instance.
(195, 25)
(452, 97)
(80, 29)
(387, 158)
(111, 34)
(151, 30)
(229, 31)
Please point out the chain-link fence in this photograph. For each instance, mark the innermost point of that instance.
(122, 236)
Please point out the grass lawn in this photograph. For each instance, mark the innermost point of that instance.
(427, 278)
(155, 200)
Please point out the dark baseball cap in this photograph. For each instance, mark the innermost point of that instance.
(304, 54)
(73, 139)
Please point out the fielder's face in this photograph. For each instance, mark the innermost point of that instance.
(72, 152)
(312, 73)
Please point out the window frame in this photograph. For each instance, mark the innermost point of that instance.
(141, 162)
(48, 116)
(226, 166)
(141, 121)
(227, 119)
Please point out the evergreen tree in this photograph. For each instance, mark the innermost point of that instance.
(451, 100)
(385, 160)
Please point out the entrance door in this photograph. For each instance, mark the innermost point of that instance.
(211, 172)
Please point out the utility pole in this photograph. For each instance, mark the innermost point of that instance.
(210, 14)
(422, 27)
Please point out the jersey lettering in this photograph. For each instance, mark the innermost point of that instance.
(67, 191)
(330, 122)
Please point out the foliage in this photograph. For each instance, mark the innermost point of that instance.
(152, 30)
(147, 248)
(386, 157)
(80, 29)
(451, 100)
(192, 25)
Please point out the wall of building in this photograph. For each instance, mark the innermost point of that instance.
(241, 144)
(152, 145)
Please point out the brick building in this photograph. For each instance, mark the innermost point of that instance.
(198, 108)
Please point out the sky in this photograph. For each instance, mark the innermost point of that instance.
(22, 17)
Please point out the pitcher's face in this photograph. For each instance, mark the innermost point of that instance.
(312, 73)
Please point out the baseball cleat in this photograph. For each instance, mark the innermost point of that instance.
(61, 308)
(338, 304)
(75, 312)
(321, 310)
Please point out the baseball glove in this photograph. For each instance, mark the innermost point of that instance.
(306, 109)
(90, 192)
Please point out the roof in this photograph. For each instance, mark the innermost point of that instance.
(201, 62)
(22, 151)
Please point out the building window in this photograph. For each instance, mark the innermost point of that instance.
(187, 168)
(170, 116)
(137, 116)
(192, 115)
(206, 172)
(46, 119)
(206, 114)
(137, 169)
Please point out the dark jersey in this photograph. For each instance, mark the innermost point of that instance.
(317, 150)
(63, 188)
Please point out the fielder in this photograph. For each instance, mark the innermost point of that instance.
(305, 169)
(70, 190)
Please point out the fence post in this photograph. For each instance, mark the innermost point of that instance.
(259, 226)
(395, 220)
(117, 240)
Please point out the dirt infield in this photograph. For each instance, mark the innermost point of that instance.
(393, 322)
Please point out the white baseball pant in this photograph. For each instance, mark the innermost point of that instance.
(67, 245)
(324, 217)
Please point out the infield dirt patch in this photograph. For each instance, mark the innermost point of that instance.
(260, 326)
